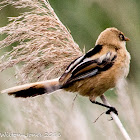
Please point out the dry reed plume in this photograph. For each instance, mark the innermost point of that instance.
(44, 46)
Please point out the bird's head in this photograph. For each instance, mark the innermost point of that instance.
(112, 36)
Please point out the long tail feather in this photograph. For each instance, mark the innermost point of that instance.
(33, 89)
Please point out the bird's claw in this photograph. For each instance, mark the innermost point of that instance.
(112, 109)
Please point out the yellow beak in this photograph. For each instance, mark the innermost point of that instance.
(126, 39)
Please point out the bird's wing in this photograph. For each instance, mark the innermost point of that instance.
(67, 74)
(85, 67)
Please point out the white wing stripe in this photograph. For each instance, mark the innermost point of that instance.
(74, 64)
(84, 61)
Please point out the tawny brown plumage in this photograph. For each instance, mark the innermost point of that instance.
(91, 74)
(98, 84)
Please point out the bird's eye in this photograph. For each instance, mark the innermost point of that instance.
(121, 36)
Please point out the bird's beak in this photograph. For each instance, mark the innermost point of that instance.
(126, 39)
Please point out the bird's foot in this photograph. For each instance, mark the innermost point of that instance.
(112, 109)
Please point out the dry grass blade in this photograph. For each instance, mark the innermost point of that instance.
(117, 120)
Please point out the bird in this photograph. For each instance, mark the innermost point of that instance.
(91, 74)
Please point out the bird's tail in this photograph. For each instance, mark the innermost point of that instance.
(33, 89)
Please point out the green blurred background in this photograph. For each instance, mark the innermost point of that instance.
(86, 19)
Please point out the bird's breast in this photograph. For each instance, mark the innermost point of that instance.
(98, 84)
(122, 64)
